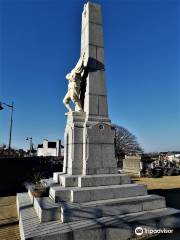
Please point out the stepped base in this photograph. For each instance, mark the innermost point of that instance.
(92, 207)
(47, 210)
(86, 188)
(87, 194)
(119, 227)
(67, 180)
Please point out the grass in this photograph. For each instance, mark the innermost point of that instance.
(167, 182)
(9, 228)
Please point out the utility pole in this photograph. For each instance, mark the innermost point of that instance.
(10, 132)
(11, 122)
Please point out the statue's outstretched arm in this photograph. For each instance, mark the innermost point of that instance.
(80, 65)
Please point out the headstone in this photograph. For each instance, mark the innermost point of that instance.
(132, 165)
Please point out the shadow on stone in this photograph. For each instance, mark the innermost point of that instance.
(171, 196)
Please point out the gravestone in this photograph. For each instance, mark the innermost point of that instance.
(89, 199)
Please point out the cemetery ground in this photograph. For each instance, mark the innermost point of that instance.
(168, 187)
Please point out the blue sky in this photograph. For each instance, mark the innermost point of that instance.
(40, 43)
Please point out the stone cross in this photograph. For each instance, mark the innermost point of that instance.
(89, 135)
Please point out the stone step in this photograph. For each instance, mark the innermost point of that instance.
(56, 176)
(103, 180)
(47, 210)
(59, 193)
(111, 207)
(113, 227)
(67, 180)
(87, 194)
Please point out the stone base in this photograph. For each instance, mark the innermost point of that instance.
(119, 227)
(47, 210)
(86, 194)
(94, 207)
(67, 180)
(85, 188)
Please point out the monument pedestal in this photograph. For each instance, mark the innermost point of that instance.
(89, 200)
(89, 145)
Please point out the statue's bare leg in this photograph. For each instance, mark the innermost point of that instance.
(76, 101)
(78, 106)
(66, 101)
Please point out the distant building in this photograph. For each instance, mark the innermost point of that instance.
(49, 148)
(175, 155)
(171, 156)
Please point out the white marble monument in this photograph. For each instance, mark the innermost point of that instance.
(90, 200)
(89, 135)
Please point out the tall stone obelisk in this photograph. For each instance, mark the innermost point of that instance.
(89, 136)
(95, 103)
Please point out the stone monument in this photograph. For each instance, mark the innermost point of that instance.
(89, 199)
(89, 135)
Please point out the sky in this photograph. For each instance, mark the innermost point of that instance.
(40, 44)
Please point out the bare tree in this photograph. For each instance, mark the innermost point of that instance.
(2, 146)
(125, 142)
